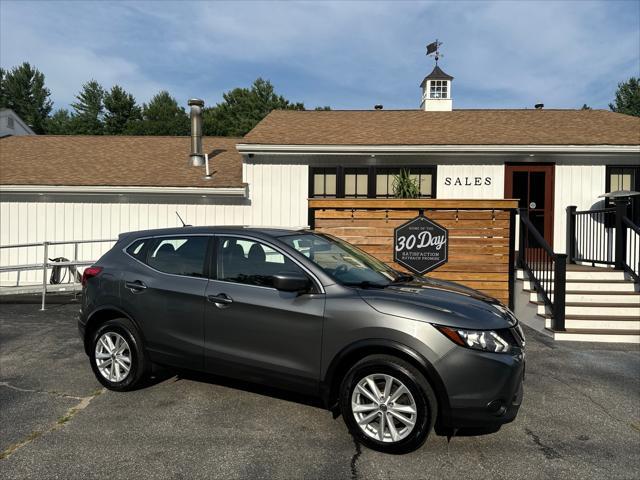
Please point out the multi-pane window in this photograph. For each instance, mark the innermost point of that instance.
(386, 179)
(625, 178)
(439, 89)
(363, 182)
(356, 182)
(324, 182)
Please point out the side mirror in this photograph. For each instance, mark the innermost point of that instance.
(291, 282)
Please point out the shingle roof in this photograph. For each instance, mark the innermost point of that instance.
(458, 127)
(116, 161)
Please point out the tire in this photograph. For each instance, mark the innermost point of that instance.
(420, 399)
(123, 333)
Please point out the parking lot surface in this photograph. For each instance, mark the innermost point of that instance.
(580, 419)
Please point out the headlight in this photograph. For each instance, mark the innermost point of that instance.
(485, 340)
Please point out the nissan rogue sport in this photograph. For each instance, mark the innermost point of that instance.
(397, 355)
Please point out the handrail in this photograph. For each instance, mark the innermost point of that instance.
(59, 242)
(546, 270)
(629, 223)
(46, 263)
(534, 231)
(631, 263)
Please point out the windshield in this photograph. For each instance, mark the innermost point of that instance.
(344, 262)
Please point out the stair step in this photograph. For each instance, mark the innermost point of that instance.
(598, 335)
(578, 275)
(583, 308)
(593, 287)
(608, 324)
(597, 298)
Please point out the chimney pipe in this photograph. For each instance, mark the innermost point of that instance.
(196, 157)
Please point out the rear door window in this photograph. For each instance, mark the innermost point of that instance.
(179, 255)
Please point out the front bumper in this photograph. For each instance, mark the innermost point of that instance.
(485, 390)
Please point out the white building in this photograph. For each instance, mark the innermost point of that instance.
(12, 124)
(81, 187)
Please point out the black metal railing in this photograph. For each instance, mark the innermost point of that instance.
(546, 270)
(604, 236)
(590, 236)
(631, 262)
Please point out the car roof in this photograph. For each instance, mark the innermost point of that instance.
(227, 229)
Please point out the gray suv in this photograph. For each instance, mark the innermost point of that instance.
(396, 355)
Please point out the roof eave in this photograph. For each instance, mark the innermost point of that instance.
(123, 190)
(255, 148)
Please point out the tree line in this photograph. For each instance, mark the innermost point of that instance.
(114, 111)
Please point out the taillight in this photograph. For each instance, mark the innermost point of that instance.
(88, 273)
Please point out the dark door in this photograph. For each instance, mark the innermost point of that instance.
(532, 185)
(254, 331)
(165, 294)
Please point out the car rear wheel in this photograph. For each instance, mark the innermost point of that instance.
(387, 404)
(118, 359)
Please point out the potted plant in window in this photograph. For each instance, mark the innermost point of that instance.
(406, 186)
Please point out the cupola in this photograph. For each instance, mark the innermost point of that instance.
(436, 91)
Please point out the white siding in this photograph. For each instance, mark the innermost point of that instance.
(579, 182)
(468, 173)
(577, 185)
(277, 197)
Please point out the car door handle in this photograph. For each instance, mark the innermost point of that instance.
(136, 286)
(221, 299)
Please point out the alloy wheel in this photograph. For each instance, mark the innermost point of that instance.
(384, 408)
(113, 357)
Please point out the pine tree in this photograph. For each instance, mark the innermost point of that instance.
(60, 123)
(89, 110)
(121, 111)
(243, 108)
(161, 116)
(22, 90)
(627, 98)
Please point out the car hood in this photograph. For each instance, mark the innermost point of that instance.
(440, 302)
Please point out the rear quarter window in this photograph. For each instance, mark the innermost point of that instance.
(136, 249)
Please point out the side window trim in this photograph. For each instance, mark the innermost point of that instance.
(317, 285)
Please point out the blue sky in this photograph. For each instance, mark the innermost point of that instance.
(509, 54)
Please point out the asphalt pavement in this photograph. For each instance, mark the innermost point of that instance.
(580, 419)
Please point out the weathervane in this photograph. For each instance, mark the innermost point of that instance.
(434, 49)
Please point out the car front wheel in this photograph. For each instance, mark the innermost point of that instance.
(387, 404)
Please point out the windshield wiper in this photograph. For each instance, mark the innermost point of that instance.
(365, 284)
(403, 277)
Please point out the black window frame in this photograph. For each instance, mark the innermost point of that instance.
(633, 211)
(372, 171)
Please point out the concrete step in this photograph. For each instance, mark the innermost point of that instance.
(621, 286)
(578, 323)
(604, 275)
(604, 336)
(626, 298)
(594, 309)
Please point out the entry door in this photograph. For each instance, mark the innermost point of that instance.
(254, 331)
(532, 185)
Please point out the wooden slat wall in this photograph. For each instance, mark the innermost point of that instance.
(478, 239)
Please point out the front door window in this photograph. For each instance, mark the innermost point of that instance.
(532, 186)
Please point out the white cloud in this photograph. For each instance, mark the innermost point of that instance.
(345, 54)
